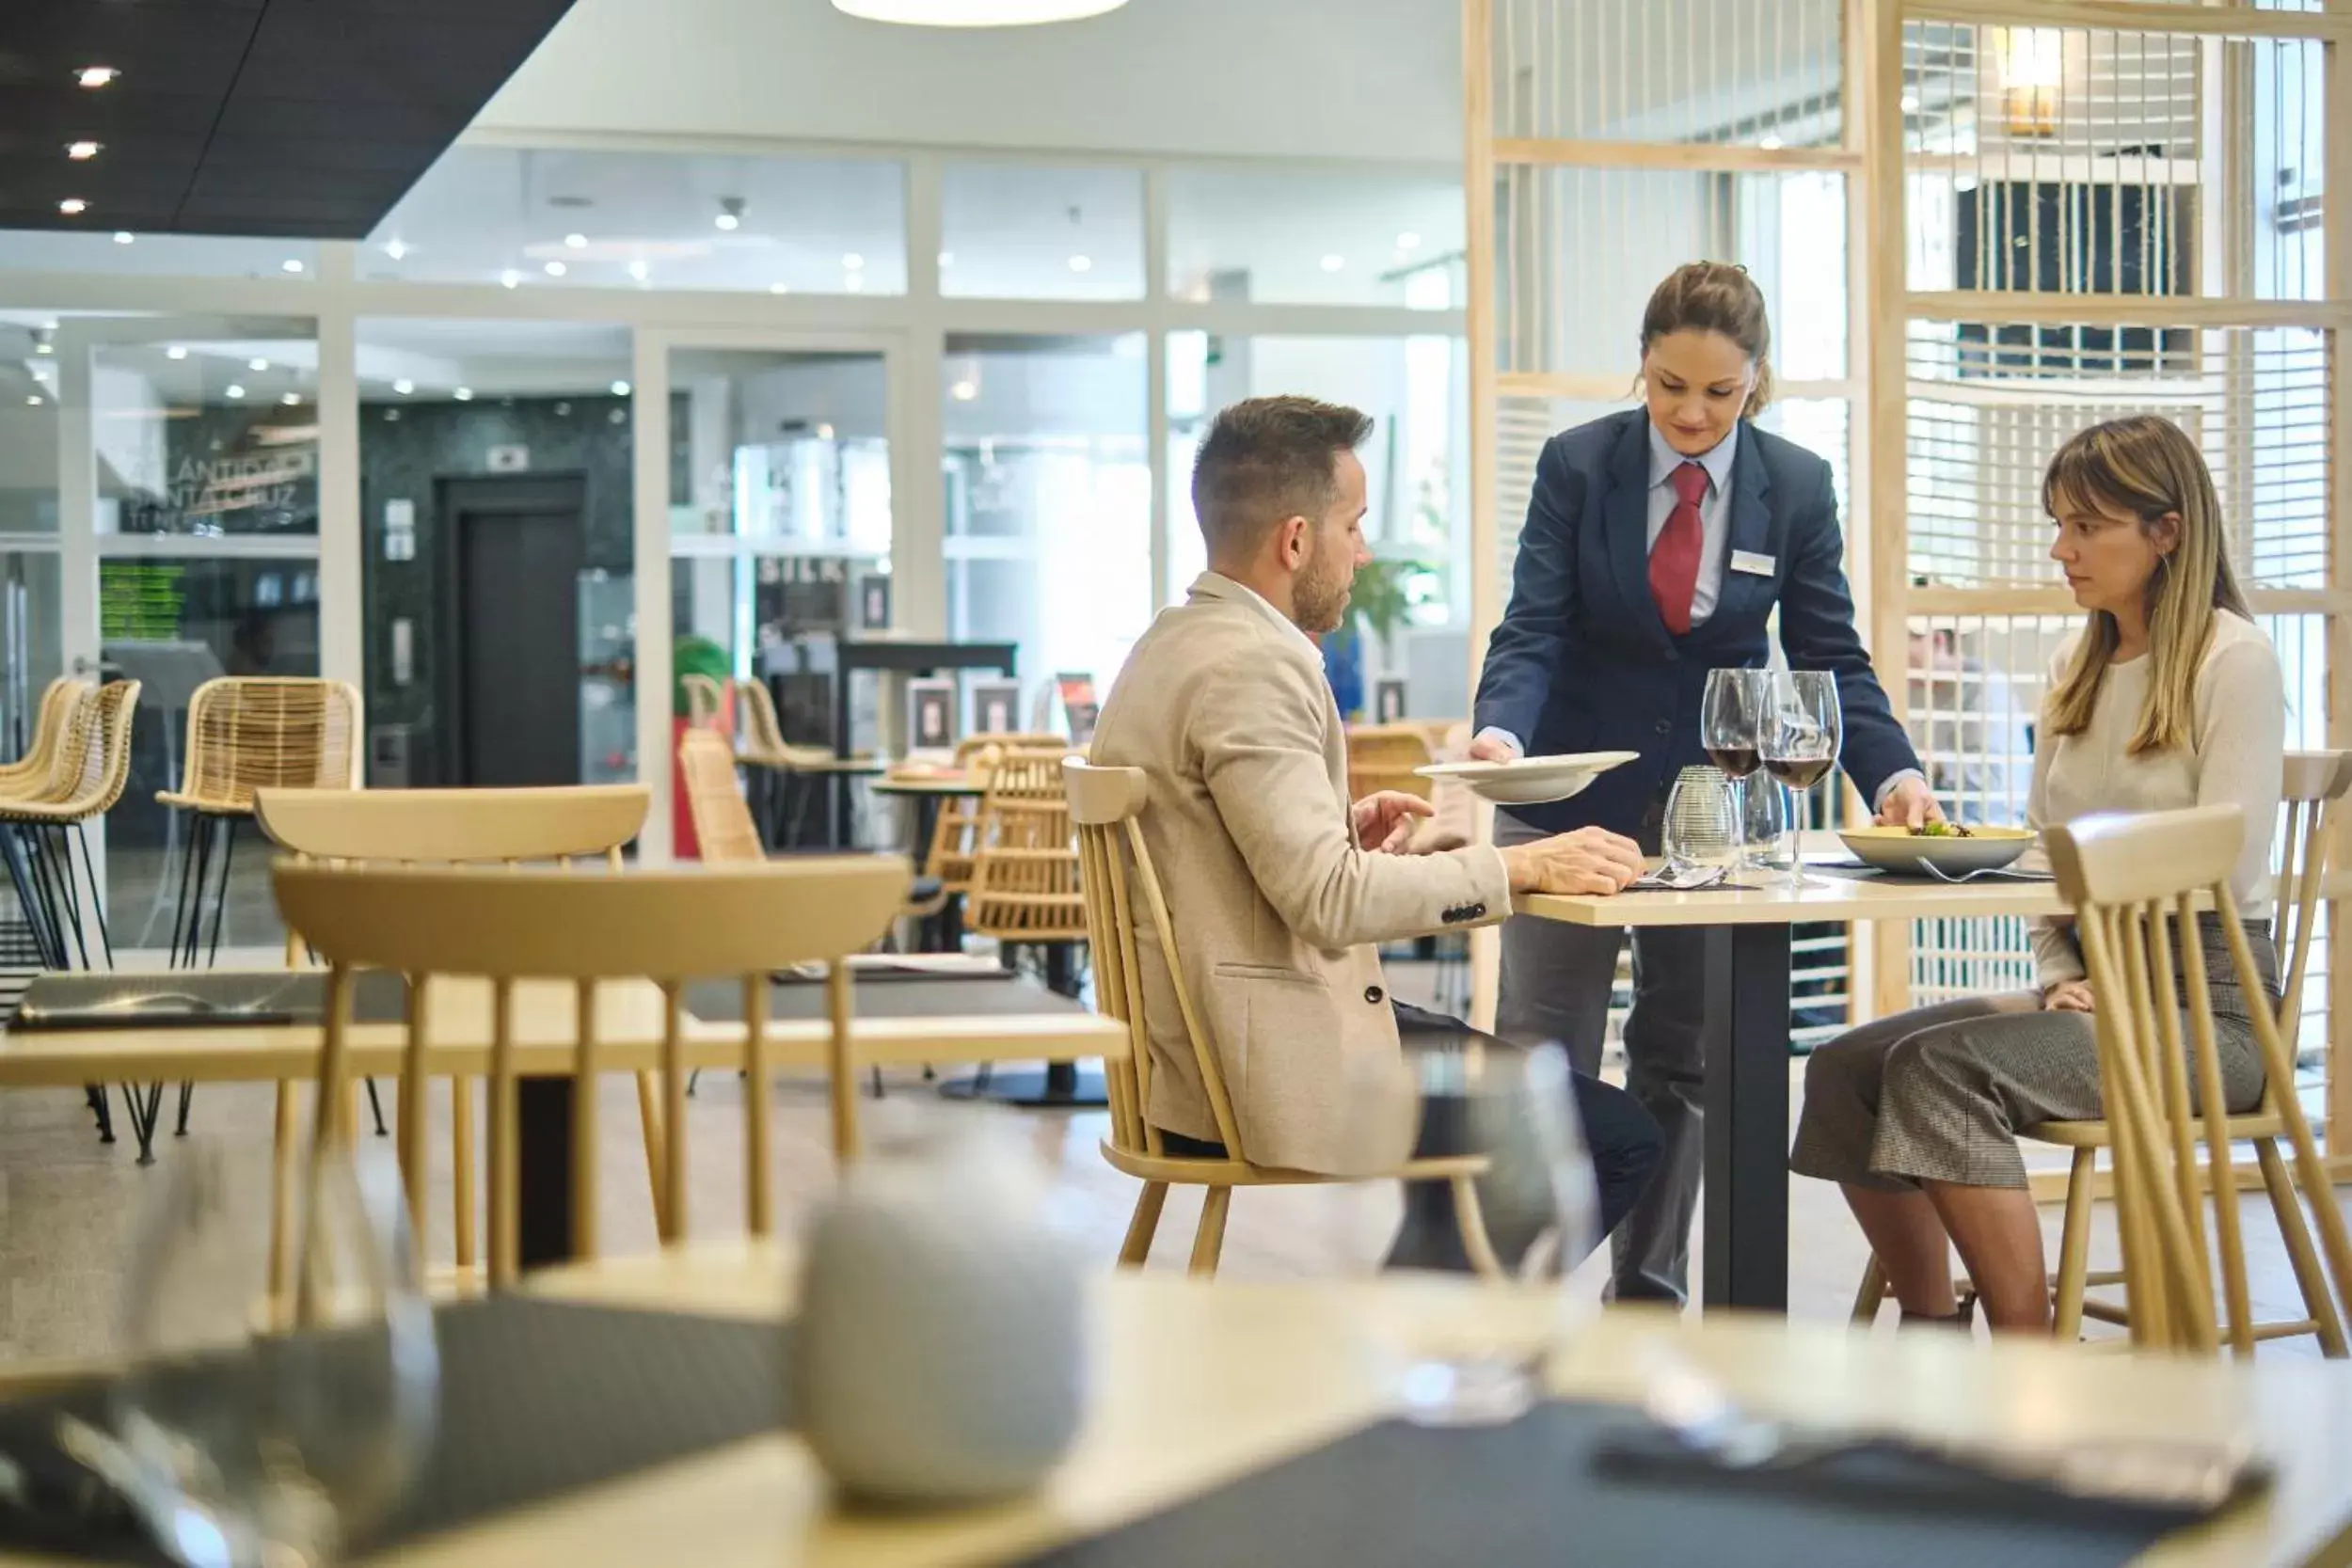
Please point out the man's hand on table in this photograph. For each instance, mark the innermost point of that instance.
(1589, 861)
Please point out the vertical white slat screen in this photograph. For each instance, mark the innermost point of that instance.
(2120, 211)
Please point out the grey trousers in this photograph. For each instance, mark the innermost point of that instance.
(1555, 985)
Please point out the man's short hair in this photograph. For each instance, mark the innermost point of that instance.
(1267, 459)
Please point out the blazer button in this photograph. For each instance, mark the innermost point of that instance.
(1665, 726)
(1372, 994)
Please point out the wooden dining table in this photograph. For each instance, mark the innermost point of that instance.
(1195, 1385)
(1746, 1032)
(949, 1022)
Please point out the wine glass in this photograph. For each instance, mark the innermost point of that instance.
(247, 1444)
(1455, 1346)
(1701, 835)
(1801, 742)
(1732, 717)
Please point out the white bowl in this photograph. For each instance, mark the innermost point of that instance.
(1530, 781)
(1900, 849)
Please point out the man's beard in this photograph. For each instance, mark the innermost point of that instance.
(1319, 597)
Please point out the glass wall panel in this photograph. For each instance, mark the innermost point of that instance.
(206, 428)
(1012, 231)
(569, 218)
(1315, 238)
(1049, 501)
(120, 253)
(496, 456)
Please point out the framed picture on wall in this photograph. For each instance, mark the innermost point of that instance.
(931, 715)
(873, 602)
(995, 707)
(1078, 705)
(1388, 699)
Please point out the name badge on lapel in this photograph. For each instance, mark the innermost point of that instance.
(1754, 565)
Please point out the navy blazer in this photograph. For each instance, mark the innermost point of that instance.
(1583, 662)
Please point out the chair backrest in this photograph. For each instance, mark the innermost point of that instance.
(744, 923)
(50, 721)
(248, 733)
(705, 698)
(1024, 871)
(106, 765)
(2135, 885)
(1383, 757)
(455, 826)
(971, 746)
(2313, 782)
(1119, 880)
(722, 819)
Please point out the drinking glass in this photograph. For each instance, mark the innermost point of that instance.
(248, 1444)
(1450, 1345)
(1765, 818)
(1701, 832)
(1732, 717)
(1801, 743)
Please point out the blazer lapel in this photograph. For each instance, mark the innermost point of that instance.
(1745, 593)
(1625, 517)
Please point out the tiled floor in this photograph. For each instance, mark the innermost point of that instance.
(69, 1207)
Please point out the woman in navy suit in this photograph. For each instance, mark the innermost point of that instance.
(1657, 542)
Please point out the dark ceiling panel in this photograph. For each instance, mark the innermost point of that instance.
(300, 118)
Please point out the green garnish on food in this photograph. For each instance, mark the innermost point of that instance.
(1941, 830)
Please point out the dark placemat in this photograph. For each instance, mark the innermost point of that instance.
(1527, 1496)
(537, 1399)
(981, 995)
(181, 999)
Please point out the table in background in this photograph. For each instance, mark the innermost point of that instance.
(1747, 1029)
(926, 792)
(1197, 1384)
(904, 657)
(897, 1023)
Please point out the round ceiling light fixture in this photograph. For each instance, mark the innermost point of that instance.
(974, 13)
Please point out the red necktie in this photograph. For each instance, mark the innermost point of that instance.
(1673, 561)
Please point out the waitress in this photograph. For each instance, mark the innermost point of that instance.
(1658, 543)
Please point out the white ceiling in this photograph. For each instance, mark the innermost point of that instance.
(1356, 79)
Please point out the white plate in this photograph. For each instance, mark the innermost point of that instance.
(1530, 781)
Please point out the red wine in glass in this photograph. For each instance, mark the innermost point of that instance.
(1798, 773)
(1737, 762)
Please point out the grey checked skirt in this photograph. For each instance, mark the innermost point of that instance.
(1938, 1094)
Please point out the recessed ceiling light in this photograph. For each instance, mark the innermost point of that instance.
(290, 399)
(174, 352)
(963, 392)
(576, 242)
(1333, 263)
(730, 212)
(638, 271)
(404, 386)
(946, 258)
(853, 262)
(290, 264)
(35, 398)
(511, 278)
(123, 236)
(396, 248)
(96, 75)
(235, 390)
(1082, 264)
(854, 283)
(72, 206)
(1408, 241)
(556, 269)
(779, 288)
(728, 221)
(44, 348)
(1769, 143)
(974, 13)
(620, 389)
(463, 394)
(82, 151)
(1911, 103)
(824, 433)
(257, 364)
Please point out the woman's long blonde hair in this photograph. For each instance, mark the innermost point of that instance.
(2147, 467)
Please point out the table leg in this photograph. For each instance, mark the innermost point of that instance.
(543, 1165)
(1746, 1191)
(1062, 1085)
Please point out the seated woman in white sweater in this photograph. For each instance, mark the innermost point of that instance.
(2170, 697)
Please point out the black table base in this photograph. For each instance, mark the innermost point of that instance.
(1064, 1086)
(1746, 1188)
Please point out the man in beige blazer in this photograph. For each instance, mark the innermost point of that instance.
(1280, 886)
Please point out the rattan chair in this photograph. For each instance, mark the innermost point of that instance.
(29, 773)
(744, 923)
(954, 829)
(2134, 882)
(706, 700)
(587, 824)
(1119, 876)
(1024, 874)
(2313, 781)
(784, 770)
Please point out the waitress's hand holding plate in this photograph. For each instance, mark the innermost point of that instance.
(1530, 781)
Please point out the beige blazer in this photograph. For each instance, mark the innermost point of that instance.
(1224, 705)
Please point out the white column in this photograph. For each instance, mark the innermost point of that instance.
(1156, 366)
(342, 612)
(649, 421)
(77, 552)
(918, 509)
